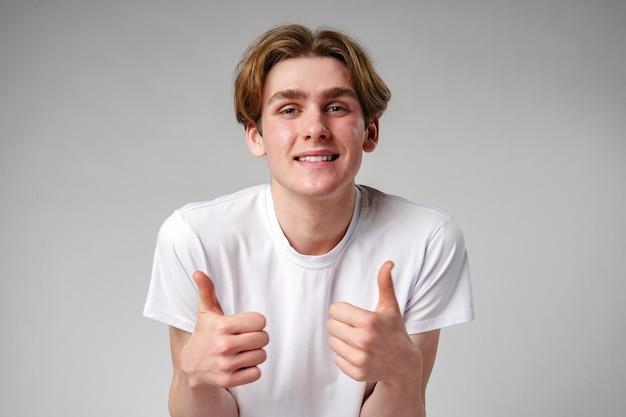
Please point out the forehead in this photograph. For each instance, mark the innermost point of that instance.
(308, 74)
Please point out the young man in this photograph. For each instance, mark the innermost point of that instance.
(310, 296)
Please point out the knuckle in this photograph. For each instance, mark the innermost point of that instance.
(370, 323)
(366, 343)
(222, 346)
(222, 327)
(359, 374)
(225, 366)
(224, 380)
(360, 360)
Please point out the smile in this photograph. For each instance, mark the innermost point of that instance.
(317, 158)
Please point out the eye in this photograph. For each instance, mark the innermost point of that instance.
(336, 109)
(288, 111)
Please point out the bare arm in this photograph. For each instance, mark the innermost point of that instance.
(189, 399)
(406, 396)
(222, 352)
(375, 346)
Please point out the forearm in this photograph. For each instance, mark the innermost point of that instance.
(402, 395)
(186, 400)
(397, 401)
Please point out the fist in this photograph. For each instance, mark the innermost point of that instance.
(371, 345)
(223, 350)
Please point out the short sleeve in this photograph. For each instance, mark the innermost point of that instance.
(442, 295)
(173, 295)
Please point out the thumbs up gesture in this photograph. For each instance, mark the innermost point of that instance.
(372, 345)
(223, 350)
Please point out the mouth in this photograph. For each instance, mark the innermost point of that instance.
(320, 158)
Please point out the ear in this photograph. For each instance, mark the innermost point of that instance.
(254, 139)
(371, 140)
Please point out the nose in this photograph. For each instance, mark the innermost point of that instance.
(315, 127)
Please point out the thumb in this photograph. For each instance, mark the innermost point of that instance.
(208, 299)
(386, 295)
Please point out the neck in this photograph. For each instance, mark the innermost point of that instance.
(314, 225)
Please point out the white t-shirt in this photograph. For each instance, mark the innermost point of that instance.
(238, 242)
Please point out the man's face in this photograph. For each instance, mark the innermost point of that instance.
(314, 133)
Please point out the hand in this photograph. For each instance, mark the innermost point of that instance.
(223, 350)
(373, 345)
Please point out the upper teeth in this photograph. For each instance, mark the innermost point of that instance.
(315, 158)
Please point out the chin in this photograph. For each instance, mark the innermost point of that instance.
(325, 190)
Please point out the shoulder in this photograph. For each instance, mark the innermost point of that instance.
(378, 203)
(238, 199)
(218, 212)
(379, 198)
(389, 214)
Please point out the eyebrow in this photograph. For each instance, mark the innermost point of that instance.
(329, 93)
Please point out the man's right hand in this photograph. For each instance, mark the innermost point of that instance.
(223, 350)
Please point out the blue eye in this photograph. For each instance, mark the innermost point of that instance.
(334, 109)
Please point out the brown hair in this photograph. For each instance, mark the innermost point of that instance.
(293, 41)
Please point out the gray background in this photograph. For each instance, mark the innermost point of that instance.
(509, 115)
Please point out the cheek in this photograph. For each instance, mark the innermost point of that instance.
(277, 146)
(359, 136)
